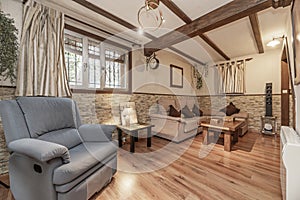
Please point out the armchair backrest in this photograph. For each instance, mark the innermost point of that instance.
(13, 121)
(36, 117)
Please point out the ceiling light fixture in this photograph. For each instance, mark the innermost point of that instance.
(149, 15)
(275, 41)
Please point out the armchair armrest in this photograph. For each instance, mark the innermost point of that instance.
(165, 117)
(96, 132)
(39, 149)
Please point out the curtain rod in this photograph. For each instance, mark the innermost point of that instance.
(223, 63)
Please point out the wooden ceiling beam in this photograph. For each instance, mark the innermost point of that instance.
(126, 24)
(177, 11)
(228, 13)
(110, 16)
(256, 31)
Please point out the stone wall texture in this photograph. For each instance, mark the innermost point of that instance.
(253, 104)
(5, 94)
(103, 108)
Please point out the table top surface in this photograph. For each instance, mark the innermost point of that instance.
(135, 127)
(222, 125)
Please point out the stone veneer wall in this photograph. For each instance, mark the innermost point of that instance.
(253, 104)
(103, 108)
(5, 94)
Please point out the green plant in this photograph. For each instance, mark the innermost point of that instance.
(199, 82)
(8, 48)
(198, 77)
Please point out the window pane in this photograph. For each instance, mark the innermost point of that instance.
(94, 64)
(114, 62)
(73, 59)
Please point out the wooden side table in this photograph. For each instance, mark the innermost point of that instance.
(132, 130)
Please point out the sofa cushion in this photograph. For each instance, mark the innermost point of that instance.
(44, 114)
(230, 109)
(190, 102)
(186, 112)
(68, 137)
(197, 111)
(173, 112)
(83, 157)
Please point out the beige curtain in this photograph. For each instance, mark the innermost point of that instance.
(41, 67)
(231, 77)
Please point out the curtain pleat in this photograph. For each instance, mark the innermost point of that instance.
(231, 77)
(41, 66)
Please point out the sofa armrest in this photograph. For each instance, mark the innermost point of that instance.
(40, 150)
(96, 132)
(243, 115)
(158, 116)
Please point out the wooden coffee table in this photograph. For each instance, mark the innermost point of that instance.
(132, 130)
(227, 128)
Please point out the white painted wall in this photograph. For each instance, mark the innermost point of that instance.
(158, 80)
(262, 69)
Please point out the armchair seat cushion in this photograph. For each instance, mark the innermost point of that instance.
(83, 157)
(68, 137)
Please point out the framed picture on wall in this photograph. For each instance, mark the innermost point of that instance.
(176, 76)
(296, 41)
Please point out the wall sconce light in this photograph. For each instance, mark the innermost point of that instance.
(275, 41)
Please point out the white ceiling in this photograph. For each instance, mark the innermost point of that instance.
(235, 39)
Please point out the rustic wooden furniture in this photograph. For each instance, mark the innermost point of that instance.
(132, 130)
(219, 126)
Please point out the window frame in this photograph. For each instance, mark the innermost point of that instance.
(110, 44)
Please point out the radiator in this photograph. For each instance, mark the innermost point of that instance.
(290, 163)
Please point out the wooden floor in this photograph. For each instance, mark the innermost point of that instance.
(250, 171)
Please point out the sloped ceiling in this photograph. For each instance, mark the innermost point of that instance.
(235, 39)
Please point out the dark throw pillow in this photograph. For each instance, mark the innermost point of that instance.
(173, 112)
(197, 111)
(186, 112)
(230, 109)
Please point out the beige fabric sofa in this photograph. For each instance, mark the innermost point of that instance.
(178, 129)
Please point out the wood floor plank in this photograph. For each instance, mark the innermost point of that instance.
(250, 171)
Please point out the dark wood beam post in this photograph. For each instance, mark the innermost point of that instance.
(126, 24)
(256, 31)
(228, 13)
(177, 11)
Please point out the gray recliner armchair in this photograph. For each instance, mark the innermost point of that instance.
(53, 156)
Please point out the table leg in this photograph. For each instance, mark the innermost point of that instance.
(149, 135)
(236, 136)
(120, 137)
(132, 140)
(205, 136)
(227, 141)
